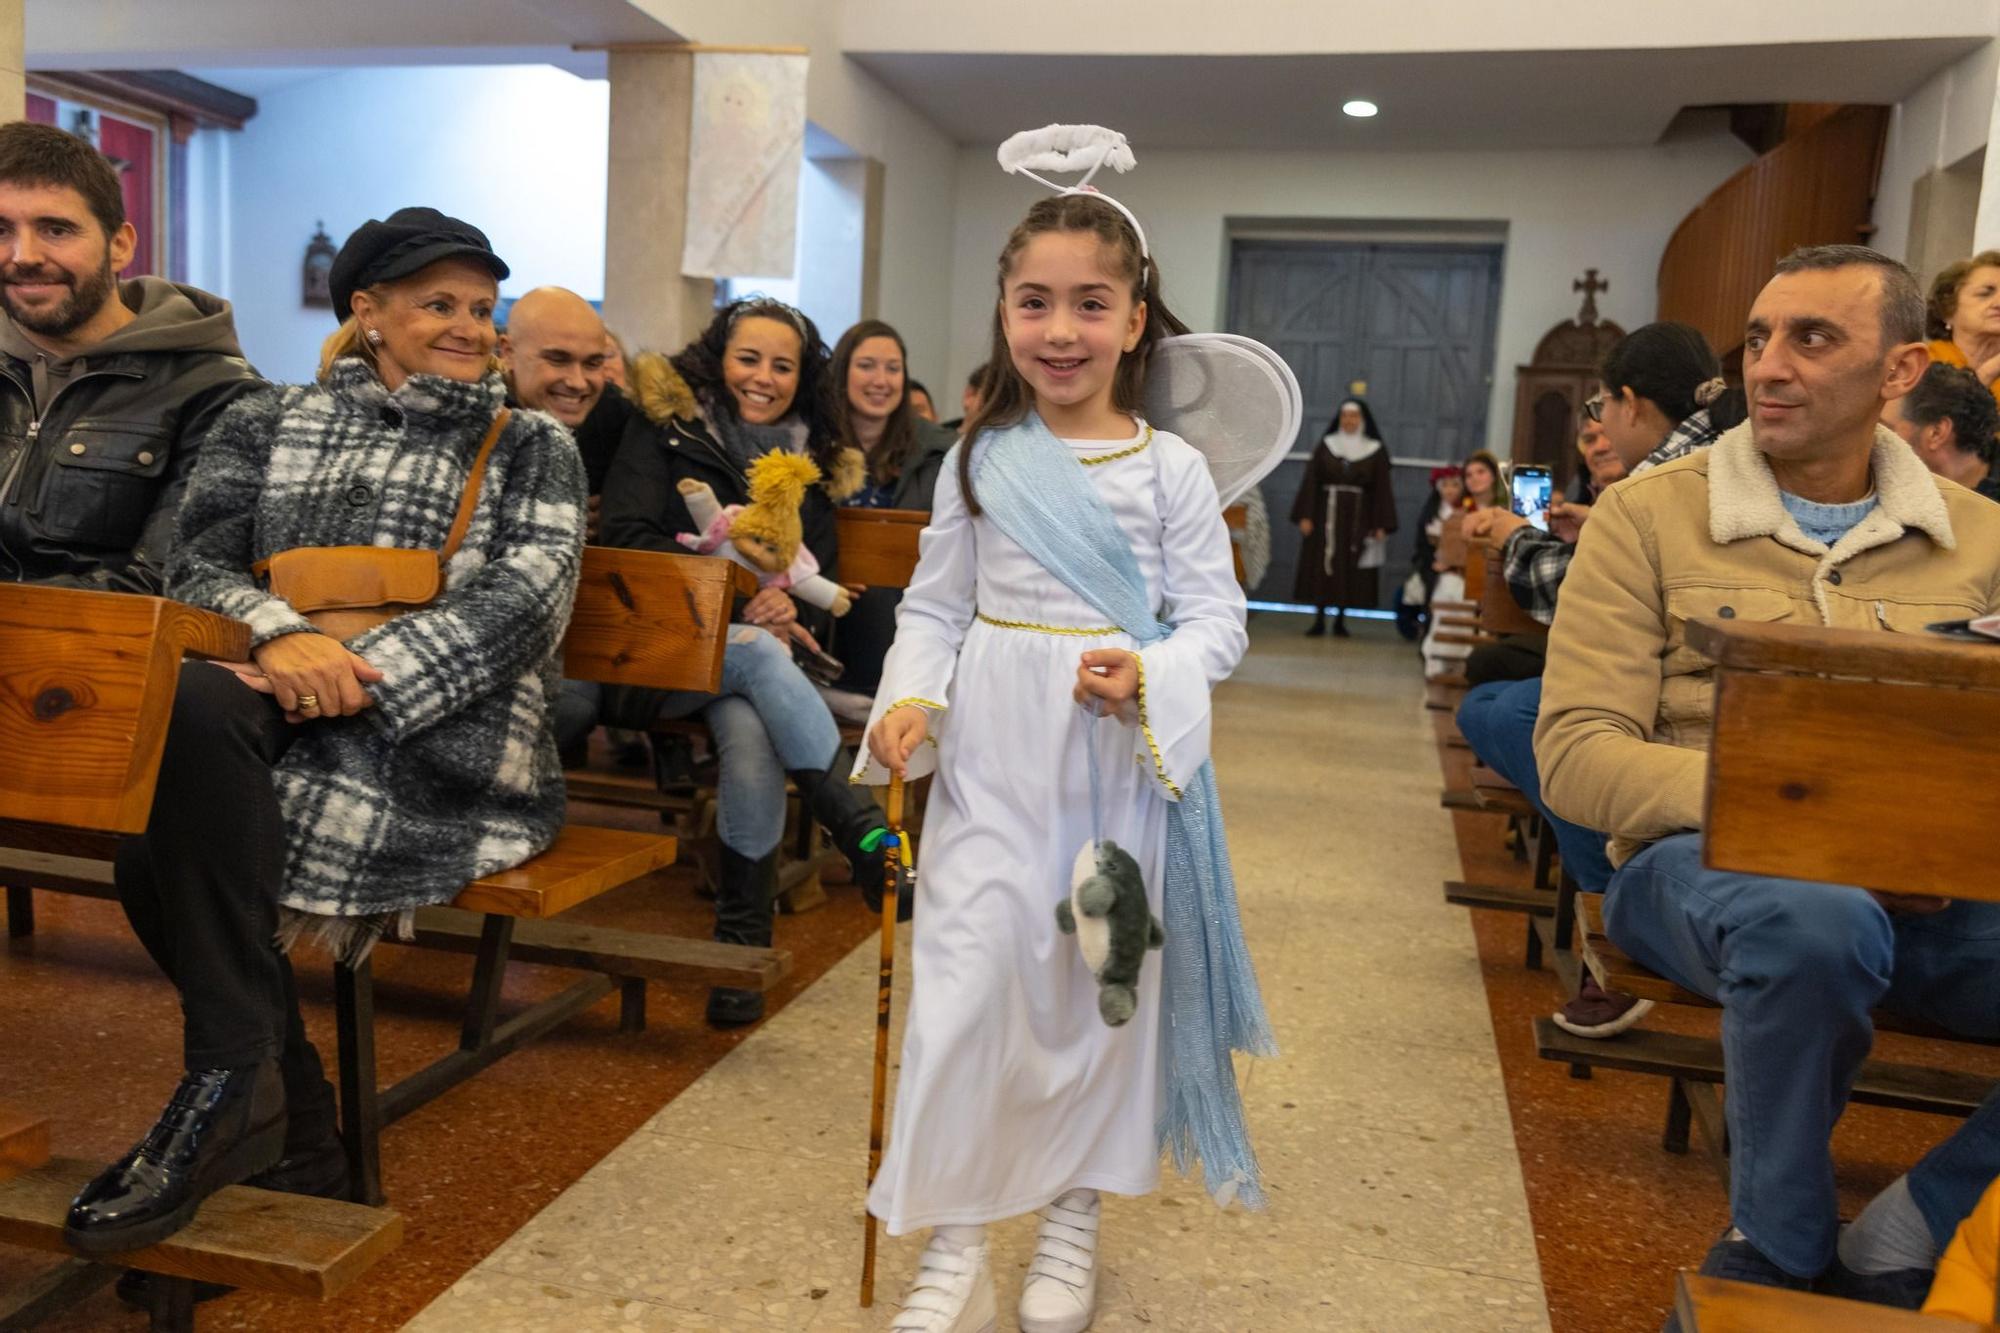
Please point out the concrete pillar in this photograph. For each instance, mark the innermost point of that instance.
(646, 300)
(13, 59)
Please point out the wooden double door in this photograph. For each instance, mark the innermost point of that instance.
(1413, 322)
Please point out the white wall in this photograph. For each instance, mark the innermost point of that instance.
(518, 151)
(848, 103)
(831, 222)
(1935, 126)
(1565, 210)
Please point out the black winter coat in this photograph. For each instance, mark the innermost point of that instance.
(90, 490)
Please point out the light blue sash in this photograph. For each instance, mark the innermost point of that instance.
(1031, 486)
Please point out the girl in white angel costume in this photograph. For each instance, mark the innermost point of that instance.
(1075, 593)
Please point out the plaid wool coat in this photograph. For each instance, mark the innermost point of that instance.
(453, 773)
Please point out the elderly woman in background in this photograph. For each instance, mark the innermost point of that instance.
(393, 765)
(751, 384)
(1964, 317)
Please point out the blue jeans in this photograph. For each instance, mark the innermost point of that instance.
(767, 720)
(1498, 720)
(1796, 968)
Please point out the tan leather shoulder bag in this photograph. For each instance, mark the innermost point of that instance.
(346, 591)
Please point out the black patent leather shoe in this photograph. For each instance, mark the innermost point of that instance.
(221, 1127)
(318, 1170)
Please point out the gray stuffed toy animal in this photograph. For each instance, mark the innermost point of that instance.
(1106, 910)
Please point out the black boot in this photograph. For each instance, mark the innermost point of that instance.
(1340, 626)
(855, 823)
(744, 898)
(1317, 630)
(222, 1126)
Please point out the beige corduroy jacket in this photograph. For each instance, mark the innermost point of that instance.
(1626, 704)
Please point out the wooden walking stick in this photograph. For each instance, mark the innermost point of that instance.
(897, 862)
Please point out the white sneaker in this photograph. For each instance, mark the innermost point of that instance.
(1060, 1295)
(953, 1293)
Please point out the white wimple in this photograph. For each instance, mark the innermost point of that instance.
(1085, 148)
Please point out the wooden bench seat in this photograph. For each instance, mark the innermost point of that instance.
(24, 1141)
(289, 1244)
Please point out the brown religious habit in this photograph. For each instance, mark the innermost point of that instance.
(1347, 494)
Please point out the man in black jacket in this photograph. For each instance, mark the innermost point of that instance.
(106, 390)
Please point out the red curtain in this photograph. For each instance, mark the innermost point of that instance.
(41, 110)
(130, 146)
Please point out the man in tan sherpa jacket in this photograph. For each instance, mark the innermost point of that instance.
(1808, 512)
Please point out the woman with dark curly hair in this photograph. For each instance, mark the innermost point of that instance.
(751, 384)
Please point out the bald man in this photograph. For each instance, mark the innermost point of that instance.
(554, 352)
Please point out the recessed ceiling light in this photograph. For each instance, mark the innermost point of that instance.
(1360, 108)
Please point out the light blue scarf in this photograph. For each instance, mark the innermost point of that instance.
(1032, 488)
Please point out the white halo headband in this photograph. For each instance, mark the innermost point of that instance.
(1085, 148)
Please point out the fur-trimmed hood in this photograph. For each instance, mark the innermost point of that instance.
(660, 392)
(666, 398)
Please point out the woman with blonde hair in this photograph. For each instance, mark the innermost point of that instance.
(370, 758)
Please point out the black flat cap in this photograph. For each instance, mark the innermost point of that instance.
(408, 240)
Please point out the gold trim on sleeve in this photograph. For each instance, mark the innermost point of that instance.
(914, 702)
(1159, 761)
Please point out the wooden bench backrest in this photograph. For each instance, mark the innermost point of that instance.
(878, 547)
(651, 618)
(1499, 613)
(1716, 1305)
(1453, 547)
(87, 684)
(1853, 757)
(87, 679)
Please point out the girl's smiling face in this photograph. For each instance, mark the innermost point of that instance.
(1068, 318)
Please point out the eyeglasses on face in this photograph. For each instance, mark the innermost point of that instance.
(1593, 407)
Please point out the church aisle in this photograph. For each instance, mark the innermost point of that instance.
(1397, 1201)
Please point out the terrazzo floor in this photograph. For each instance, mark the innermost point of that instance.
(1397, 1198)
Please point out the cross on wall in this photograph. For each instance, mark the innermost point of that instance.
(1590, 285)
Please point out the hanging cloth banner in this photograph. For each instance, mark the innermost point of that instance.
(746, 146)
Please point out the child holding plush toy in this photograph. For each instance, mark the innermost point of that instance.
(1074, 603)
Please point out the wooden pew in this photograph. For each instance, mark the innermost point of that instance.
(288, 1244)
(1714, 1305)
(640, 618)
(1796, 707)
(1693, 1066)
(878, 547)
(24, 1141)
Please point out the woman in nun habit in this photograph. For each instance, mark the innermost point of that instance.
(1345, 503)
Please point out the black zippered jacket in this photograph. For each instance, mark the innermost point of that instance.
(91, 486)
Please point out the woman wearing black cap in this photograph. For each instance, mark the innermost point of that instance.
(398, 762)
